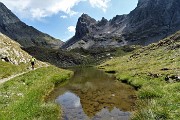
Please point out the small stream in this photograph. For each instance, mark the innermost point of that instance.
(92, 94)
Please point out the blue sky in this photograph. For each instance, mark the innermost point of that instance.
(58, 18)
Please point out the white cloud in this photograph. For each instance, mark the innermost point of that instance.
(38, 13)
(38, 9)
(102, 4)
(64, 6)
(64, 16)
(72, 29)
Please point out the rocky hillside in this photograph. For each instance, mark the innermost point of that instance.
(149, 22)
(10, 51)
(26, 35)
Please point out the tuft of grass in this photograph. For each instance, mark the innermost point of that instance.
(23, 97)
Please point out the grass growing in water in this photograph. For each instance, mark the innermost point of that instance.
(23, 97)
(155, 71)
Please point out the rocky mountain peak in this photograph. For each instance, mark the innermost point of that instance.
(83, 25)
(117, 19)
(86, 18)
(102, 22)
(149, 22)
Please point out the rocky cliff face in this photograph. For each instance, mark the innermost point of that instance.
(149, 22)
(153, 20)
(26, 35)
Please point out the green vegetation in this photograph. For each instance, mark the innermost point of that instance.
(155, 72)
(22, 98)
(8, 69)
(98, 55)
(78, 56)
(17, 60)
(58, 57)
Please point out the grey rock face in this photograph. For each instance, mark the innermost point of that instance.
(4, 15)
(153, 20)
(26, 35)
(83, 26)
(150, 21)
(90, 32)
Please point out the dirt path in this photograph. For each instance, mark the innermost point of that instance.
(16, 75)
(12, 76)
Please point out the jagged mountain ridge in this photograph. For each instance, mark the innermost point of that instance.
(27, 36)
(150, 21)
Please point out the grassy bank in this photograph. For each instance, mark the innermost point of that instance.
(154, 70)
(23, 97)
(8, 69)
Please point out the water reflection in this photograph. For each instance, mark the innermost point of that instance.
(71, 107)
(94, 95)
(73, 110)
(69, 100)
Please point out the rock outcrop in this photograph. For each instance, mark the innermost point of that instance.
(10, 51)
(27, 36)
(150, 21)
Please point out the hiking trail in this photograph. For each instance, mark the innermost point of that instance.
(16, 75)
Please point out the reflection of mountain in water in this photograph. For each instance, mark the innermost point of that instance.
(73, 110)
(71, 107)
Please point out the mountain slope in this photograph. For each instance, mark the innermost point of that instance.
(26, 35)
(149, 22)
(155, 71)
(153, 20)
(10, 51)
(13, 59)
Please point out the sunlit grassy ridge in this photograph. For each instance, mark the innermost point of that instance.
(8, 69)
(155, 71)
(23, 97)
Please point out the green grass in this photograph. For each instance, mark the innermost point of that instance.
(158, 97)
(8, 69)
(22, 98)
